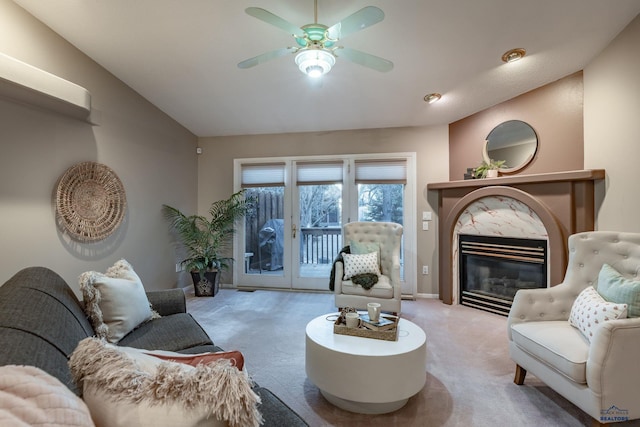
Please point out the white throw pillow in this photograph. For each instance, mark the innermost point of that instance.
(590, 310)
(115, 302)
(359, 264)
(31, 397)
(124, 386)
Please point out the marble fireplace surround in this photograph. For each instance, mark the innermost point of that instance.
(562, 204)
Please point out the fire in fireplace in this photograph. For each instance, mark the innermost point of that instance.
(492, 269)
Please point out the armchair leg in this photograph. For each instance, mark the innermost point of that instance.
(520, 374)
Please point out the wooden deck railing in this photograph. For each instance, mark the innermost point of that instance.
(320, 245)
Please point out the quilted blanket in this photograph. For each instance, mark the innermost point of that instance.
(31, 397)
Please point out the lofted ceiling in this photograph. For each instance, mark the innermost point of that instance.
(182, 56)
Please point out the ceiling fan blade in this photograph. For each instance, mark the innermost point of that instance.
(365, 59)
(270, 18)
(268, 56)
(357, 21)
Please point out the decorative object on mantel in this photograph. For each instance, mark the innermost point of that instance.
(90, 201)
(488, 169)
(470, 174)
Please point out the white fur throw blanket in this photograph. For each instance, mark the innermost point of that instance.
(29, 397)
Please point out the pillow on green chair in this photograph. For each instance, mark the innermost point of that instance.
(614, 287)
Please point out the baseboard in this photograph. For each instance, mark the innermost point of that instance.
(259, 288)
(232, 286)
(428, 296)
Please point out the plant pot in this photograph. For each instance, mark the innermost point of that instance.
(492, 173)
(205, 285)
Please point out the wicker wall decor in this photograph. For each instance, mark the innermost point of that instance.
(90, 201)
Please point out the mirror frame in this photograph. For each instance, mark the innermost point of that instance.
(516, 168)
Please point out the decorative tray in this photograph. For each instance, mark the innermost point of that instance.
(339, 327)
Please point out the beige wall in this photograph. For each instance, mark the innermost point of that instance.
(215, 169)
(612, 129)
(153, 156)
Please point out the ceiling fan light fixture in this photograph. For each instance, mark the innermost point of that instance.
(513, 55)
(315, 62)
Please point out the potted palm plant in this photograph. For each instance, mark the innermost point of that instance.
(206, 241)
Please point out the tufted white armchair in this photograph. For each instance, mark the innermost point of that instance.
(602, 377)
(388, 290)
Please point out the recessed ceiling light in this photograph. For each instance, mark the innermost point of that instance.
(513, 55)
(432, 97)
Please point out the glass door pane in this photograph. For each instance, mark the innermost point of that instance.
(264, 233)
(320, 237)
(383, 203)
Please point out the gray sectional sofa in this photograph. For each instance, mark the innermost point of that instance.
(42, 321)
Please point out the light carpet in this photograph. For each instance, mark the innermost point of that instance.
(469, 375)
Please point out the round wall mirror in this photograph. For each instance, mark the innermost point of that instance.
(513, 141)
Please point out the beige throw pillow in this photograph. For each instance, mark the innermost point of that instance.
(115, 302)
(590, 310)
(124, 386)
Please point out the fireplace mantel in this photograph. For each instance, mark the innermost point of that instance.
(569, 176)
(563, 200)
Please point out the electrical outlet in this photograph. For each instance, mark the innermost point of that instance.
(425, 225)
(425, 269)
(178, 267)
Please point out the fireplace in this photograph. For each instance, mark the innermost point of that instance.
(492, 269)
(564, 203)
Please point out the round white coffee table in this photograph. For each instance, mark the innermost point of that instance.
(366, 375)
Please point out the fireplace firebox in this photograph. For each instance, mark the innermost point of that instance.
(492, 269)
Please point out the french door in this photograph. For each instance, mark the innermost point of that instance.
(294, 233)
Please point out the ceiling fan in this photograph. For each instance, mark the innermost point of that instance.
(317, 49)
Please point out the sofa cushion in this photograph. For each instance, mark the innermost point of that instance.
(173, 333)
(382, 289)
(590, 310)
(360, 264)
(115, 302)
(124, 386)
(614, 287)
(40, 353)
(41, 322)
(31, 397)
(38, 301)
(555, 343)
